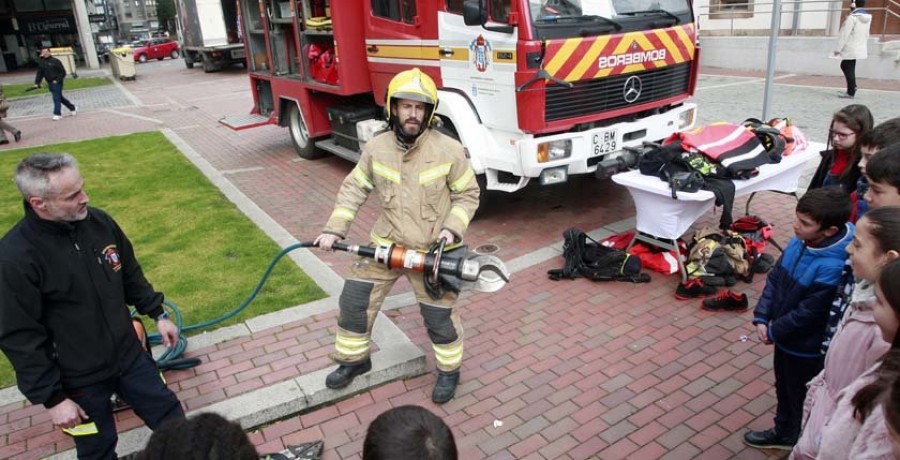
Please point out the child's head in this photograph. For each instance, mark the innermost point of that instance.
(887, 303)
(848, 124)
(881, 136)
(203, 436)
(887, 317)
(883, 173)
(876, 242)
(409, 432)
(821, 213)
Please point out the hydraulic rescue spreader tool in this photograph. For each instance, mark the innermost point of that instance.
(480, 272)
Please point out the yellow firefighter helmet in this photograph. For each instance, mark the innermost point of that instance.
(414, 85)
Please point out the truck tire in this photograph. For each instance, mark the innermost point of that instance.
(446, 127)
(188, 61)
(304, 145)
(174, 54)
(208, 65)
(484, 198)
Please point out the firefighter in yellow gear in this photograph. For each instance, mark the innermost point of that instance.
(427, 192)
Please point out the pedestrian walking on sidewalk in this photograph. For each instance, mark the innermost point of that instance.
(427, 193)
(52, 70)
(67, 276)
(853, 43)
(4, 126)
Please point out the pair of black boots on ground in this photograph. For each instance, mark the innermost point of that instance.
(444, 389)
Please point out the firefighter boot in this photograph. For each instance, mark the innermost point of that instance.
(445, 387)
(344, 374)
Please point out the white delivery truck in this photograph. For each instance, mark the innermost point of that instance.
(210, 34)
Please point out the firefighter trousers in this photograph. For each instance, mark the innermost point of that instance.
(364, 291)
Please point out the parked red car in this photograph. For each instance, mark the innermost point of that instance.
(155, 48)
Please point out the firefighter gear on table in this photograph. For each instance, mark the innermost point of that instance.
(424, 185)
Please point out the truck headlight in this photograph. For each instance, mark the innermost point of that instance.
(686, 119)
(554, 150)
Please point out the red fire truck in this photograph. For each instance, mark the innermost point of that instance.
(534, 89)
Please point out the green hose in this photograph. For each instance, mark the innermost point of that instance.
(171, 357)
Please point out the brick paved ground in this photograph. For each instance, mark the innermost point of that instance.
(573, 369)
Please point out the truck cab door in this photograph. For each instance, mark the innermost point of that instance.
(400, 35)
(480, 62)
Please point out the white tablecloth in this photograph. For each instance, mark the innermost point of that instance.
(660, 215)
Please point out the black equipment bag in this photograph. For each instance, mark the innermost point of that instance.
(596, 262)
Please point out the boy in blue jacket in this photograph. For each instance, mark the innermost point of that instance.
(793, 309)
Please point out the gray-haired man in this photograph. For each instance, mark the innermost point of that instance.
(67, 274)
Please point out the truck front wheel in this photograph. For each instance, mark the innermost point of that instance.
(304, 145)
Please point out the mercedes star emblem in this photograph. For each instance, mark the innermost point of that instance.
(632, 90)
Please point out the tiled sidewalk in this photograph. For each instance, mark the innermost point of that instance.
(228, 369)
(572, 369)
(575, 370)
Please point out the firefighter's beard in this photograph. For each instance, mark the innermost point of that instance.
(408, 130)
(412, 126)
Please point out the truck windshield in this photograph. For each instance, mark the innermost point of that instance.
(593, 17)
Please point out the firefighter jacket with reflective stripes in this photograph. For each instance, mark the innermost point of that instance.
(422, 190)
(65, 288)
(734, 146)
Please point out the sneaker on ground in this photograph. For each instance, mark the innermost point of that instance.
(727, 301)
(56, 117)
(74, 113)
(768, 439)
(693, 289)
(845, 96)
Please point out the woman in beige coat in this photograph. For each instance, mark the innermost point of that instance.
(854, 37)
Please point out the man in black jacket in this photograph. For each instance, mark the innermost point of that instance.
(52, 70)
(67, 274)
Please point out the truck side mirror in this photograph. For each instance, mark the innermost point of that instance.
(474, 13)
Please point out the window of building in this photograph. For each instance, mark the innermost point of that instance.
(128, 14)
(727, 9)
(395, 10)
(51, 5)
(28, 5)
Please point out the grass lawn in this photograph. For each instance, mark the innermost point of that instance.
(194, 245)
(18, 90)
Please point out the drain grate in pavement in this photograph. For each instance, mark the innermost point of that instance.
(486, 249)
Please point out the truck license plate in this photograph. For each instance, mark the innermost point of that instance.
(237, 54)
(604, 142)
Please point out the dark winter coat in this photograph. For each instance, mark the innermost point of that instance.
(50, 69)
(799, 291)
(65, 288)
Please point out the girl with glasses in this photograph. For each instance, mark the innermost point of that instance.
(839, 165)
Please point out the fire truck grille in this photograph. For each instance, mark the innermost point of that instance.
(605, 94)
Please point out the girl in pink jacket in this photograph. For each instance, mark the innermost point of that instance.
(858, 344)
(857, 429)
